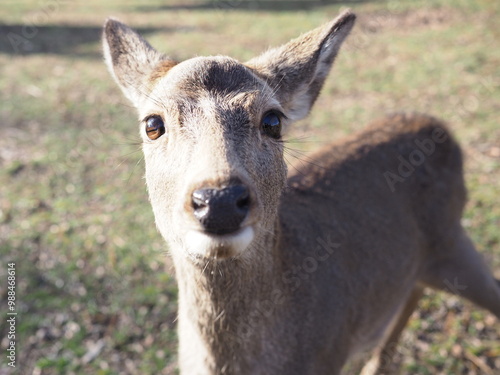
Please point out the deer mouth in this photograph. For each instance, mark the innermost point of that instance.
(219, 246)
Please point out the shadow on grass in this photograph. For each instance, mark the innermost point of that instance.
(27, 40)
(253, 5)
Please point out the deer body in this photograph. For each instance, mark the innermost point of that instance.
(291, 276)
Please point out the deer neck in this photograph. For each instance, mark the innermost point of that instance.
(224, 307)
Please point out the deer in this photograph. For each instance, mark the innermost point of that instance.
(292, 272)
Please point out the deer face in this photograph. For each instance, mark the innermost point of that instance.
(214, 168)
(211, 130)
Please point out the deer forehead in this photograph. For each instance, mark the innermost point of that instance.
(199, 75)
(218, 88)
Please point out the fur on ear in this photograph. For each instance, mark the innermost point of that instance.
(297, 70)
(130, 59)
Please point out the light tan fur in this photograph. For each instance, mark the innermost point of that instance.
(327, 261)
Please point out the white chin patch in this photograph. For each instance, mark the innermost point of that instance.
(218, 246)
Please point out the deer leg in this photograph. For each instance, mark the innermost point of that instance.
(382, 357)
(464, 273)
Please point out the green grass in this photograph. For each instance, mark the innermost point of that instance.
(74, 214)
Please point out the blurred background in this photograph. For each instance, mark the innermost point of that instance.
(95, 287)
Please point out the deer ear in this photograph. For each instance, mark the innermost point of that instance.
(297, 70)
(130, 59)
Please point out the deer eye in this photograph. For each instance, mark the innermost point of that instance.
(271, 124)
(155, 127)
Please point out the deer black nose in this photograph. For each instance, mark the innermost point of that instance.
(221, 211)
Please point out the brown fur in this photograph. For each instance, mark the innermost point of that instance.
(329, 261)
(161, 71)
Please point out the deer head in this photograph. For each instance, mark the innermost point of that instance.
(212, 132)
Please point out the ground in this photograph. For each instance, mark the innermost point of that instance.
(95, 292)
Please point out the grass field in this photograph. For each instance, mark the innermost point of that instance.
(95, 290)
